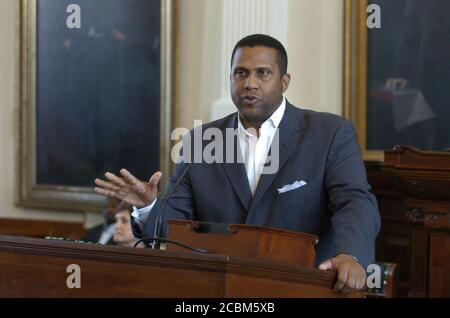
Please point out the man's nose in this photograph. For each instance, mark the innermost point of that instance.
(250, 82)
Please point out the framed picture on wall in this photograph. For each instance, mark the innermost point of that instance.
(95, 94)
(397, 74)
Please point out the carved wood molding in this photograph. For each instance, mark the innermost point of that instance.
(433, 215)
(410, 157)
(411, 163)
(425, 188)
(423, 178)
(437, 221)
(415, 216)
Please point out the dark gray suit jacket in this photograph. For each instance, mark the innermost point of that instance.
(320, 149)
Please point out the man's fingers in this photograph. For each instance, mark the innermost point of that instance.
(355, 281)
(351, 282)
(130, 178)
(342, 278)
(351, 276)
(326, 266)
(114, 179)
(107, 193)
(361, 281)
(356, 278)
(106, 185)
(155, 179)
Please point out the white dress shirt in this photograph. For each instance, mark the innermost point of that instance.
(254, 151)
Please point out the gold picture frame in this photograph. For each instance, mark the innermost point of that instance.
(355, 72)
(30, 193)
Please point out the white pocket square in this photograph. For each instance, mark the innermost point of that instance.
(290, 187)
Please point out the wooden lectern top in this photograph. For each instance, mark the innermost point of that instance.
(254, 242)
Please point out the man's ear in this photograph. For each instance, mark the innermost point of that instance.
(285, 80)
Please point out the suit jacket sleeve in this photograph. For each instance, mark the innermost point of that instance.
(179, 206)
(355, 217)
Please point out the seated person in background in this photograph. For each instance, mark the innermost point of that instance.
(123, 235)
(103, 233)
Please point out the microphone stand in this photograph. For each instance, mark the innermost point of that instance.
(158, 223)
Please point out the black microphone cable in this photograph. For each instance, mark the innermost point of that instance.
(164, 240)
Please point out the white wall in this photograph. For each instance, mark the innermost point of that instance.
(315, 44)
(316, 37)
(198, 30)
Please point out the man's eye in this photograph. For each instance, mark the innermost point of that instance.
(264, 72)
(240, 73)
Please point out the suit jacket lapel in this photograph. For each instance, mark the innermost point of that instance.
(289, 137)
(236, 171)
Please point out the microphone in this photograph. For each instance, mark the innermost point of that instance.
(158, 222)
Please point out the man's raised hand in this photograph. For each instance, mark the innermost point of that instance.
(128, 188)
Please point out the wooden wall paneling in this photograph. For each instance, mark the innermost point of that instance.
(439, 265)
(41, 229)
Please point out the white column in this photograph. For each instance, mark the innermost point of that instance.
(239, 19)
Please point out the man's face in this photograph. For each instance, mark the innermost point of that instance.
(257, 86)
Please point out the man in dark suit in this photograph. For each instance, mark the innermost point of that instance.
(318, 185)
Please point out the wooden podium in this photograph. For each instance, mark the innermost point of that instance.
(255, 242)
(38, 268)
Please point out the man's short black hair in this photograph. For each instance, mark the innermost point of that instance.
(267, 41)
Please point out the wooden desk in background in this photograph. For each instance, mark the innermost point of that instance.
(413, 192)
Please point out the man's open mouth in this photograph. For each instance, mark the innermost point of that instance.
(250, 100)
